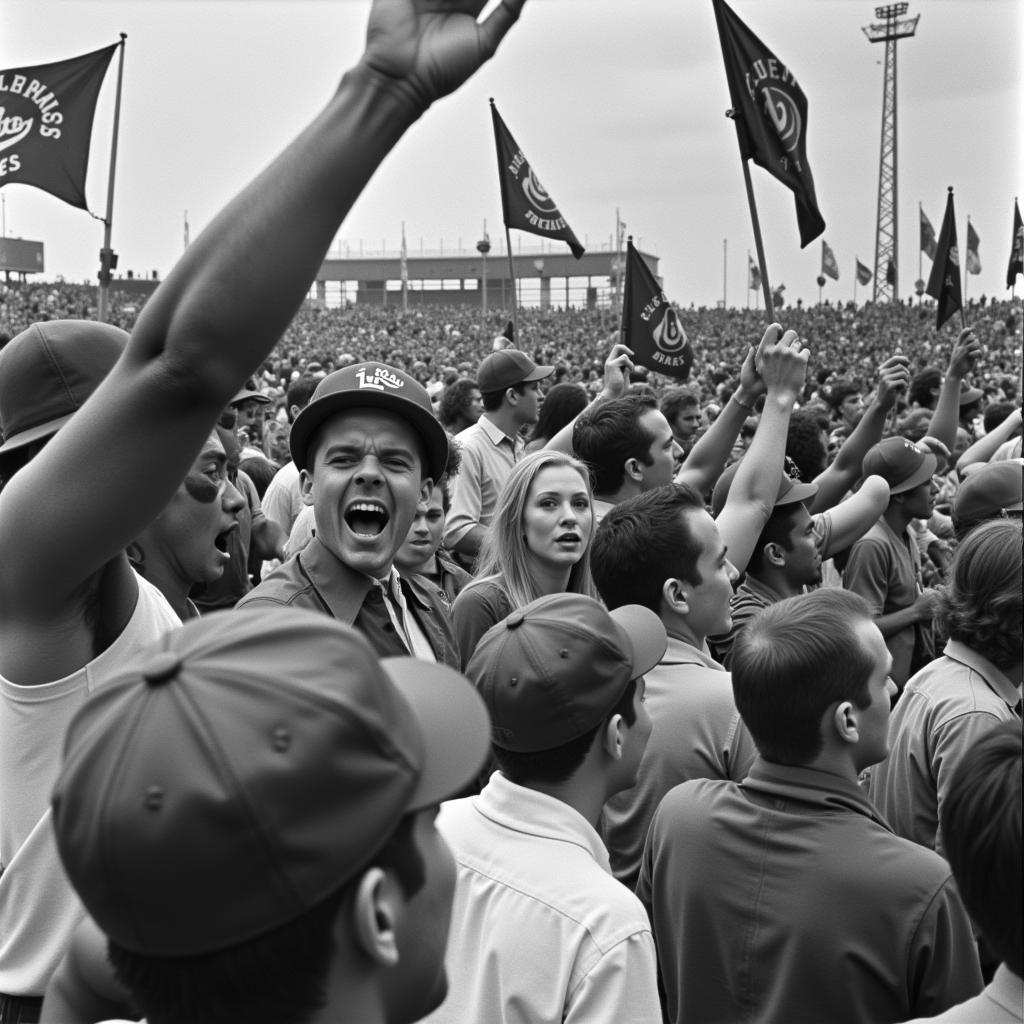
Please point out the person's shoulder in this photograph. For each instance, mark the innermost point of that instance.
(693, 797)
(286, 585)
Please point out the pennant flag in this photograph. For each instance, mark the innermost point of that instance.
(973, 259)
(754, 275)
(777, 297)
(1016, 264)
(770, 114)
(890, 274)
(650, 325)
(863, 273)
(525, 203)
(828, 261)
(46, 115)
(927, 235)
(944, 280)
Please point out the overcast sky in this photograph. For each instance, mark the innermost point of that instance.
(615, 104)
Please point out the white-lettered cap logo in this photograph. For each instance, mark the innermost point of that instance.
(379, 379)
(779, 106)
(537, 194)
(669, 335)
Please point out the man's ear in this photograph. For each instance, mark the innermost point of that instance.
(613, 737)
(675, 596)
(375, 916)
(634, 470)
(844, 722)
(306, 486)
(426, 489)
(774, 554)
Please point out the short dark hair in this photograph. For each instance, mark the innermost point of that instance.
(299, 393)
(644, 541)
(776, 531)
(610, 434)
(562, 404)
(454, 400)
(804, 445)
(492, 399)
(791, 662)
(279, 976)
(981, 829)
(921, 386)
(981, 607)
(676, 399)
(559, 764)
(995, 414)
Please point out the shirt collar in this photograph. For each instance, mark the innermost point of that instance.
(493, 431)
(526, 810)
(679, 652)
(957, 650)
(760, 590)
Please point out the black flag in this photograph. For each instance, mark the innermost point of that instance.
(524, 201)
(770, 113)
(1016, 264)
(944, 280)
(46, 112)
(650, 324)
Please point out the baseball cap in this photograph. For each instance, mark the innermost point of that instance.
(991, 489)
(554, 669)
(48, 371)
(377, 386)
(235, 773)
(790, 491)
(248, 393)
(969, 394)
(900, 463)
(502, 369)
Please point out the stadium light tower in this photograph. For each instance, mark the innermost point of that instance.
(890, 32)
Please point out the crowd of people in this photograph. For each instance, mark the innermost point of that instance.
(378, 667)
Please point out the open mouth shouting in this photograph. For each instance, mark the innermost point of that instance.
(367, 518)
(220, 542)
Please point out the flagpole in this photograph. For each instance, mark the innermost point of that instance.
(769, 308)
(515, 293)
(106, 266)
(920, 266)
(725, 251)
(967, 249)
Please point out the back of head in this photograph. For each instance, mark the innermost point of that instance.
(608, 435)
(300, 391)
(981, 606)
(992, 491)
(644, 541)
(792, 662)
(455, 399)
(981, 827)
(924, 388)
(47, 373)
(562, 404)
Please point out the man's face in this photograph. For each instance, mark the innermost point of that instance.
(364, 484)
(250, 417)
(874, 719)
(851, 409)
(420, 982)
(528, 404)
(686, 423)
(474, 406)
(424, 535)
(662, 454)
(919, 501)
(803, 559)
(194, 525)
(709, 612)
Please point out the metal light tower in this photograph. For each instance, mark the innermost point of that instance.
(886, 227)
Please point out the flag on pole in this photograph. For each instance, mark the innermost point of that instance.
(890, 273)
(403, 270)
(650, 325)
(770, 114)
(828, 261)
(777, 297)
(863, 274)
(944, 280)
(927, 235)
(1016, 264)
(753, 275)
(46, 114)
(973, 259)
(525, 203)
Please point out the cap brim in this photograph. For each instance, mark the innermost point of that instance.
(539, 373)
(797, 493)
(245, 396)
(646, 634)
(36, 433)
(924, 472)
(435, 440)
(453, 720)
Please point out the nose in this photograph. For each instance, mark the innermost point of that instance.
(369, 471)
(731, 571)
(232, 501)
(890, 687)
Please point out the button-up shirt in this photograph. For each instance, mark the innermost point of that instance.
(488, 455)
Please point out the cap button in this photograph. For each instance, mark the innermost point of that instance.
(162, 669)
(515, 620)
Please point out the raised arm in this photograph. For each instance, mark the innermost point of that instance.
(224, 306)
(753, 491)
(837, 479)
(983, 449)
(852, 518)
(946, 417)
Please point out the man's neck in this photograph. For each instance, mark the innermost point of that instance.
(777, 582)
(897, 518)
(505, 419)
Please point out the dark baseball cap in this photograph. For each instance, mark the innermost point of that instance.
(555, 669)
(988, 491)
(900, 463)
(789, 493)
(48, 371)
(969, 394)
(378, 386)
(248, 394)
(235, 773)
(503, 369)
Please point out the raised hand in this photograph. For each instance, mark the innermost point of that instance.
(784, 365)
(965, 352)
(428, 48)
(616, 370)
(893, 379)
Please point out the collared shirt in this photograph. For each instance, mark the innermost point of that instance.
(316, 578)
(398, 609)
(1002, 1002)
(696, 733)
(943, 711)
(751, 596)
(488, 455)
(540, 930)
(786, 899)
